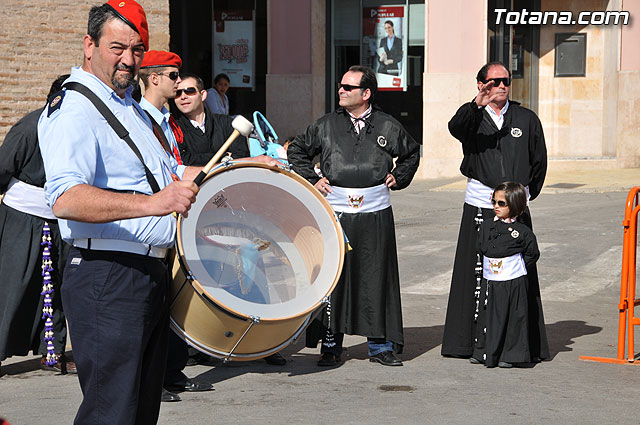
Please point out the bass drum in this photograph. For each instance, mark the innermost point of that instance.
(260, 250)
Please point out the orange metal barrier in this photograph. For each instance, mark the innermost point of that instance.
(627, 319)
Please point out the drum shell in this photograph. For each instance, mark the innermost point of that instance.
(215, 330)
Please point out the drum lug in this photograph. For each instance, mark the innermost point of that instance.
(226, 161)
(255, 319)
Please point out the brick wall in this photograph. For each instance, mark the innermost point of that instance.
(40, 40)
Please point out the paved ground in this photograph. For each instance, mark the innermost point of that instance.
(577, 220)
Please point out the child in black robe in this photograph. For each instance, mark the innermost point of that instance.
(508, 248)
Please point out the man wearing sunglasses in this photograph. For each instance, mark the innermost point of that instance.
(204, 132)
(160, 76)
(357, 145)
(501, 141)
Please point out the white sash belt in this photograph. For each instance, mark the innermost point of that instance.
(120, 245)
(28, 199)
(359, 199)
(506, 268)
(479, 195)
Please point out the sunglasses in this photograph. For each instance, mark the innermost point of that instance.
(173, 75)
(497, 81)
(189, 91)
(500, 203)
(348, 87)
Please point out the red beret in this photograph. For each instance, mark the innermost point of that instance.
(158, 58)
(133, 15)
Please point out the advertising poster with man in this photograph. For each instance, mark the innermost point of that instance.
(384, 45)
(233, 46)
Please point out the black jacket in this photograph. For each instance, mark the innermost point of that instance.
(517, 152)
(198, 148)
(349, 159)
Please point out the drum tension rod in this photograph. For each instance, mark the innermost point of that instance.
(254, 320)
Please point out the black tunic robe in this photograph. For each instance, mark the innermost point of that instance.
(21, 324)
(198, 148)
(517, 152)
(366, 300)
(506, 308)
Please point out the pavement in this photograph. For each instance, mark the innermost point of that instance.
(578, 222)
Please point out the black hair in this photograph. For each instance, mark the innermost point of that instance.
(199, 82)
(389, 22)
(368, 80)
(482, 74)
(56, 86)
(221, 76)
(516, 197)
(98, 16)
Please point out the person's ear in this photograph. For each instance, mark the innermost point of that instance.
(367, 94)
(89, 45)
(203, 94)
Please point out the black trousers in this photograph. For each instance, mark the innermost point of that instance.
(177, 358)
(116, 305)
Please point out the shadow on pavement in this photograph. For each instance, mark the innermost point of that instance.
(562, 334)
(418, 340)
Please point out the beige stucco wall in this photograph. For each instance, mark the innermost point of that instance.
(628, 104)
(628, 119)
(573, 110)
(591, 121)
(295, 92)
(453, 58)
(41, 40)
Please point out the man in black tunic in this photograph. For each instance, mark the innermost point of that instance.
(357, 145)
(23, 215)
(501, 141)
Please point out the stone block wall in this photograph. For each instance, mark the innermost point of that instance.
(40, 40)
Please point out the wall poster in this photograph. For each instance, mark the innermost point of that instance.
(384, 45)
(234, 46)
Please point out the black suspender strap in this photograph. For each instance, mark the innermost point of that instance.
(116, 125)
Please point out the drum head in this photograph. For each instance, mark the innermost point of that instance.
(261, 242)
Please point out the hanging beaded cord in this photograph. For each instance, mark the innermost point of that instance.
(329, 341)
(47, 291)
(478, 269)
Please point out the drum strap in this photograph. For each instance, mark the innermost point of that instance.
(116, 125)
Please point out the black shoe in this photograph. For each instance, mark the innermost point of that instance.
(505, 365)
(328, 359)
(276, 359)
(189, 385)
(168, 396)
(386, 358)
(473, 360)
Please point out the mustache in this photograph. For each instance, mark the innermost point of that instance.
(123, 67)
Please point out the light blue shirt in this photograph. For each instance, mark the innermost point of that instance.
(78, 146)
(215, 104)
(162, 118)
(390, 41)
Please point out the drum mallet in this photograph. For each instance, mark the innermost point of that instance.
(240, 125)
